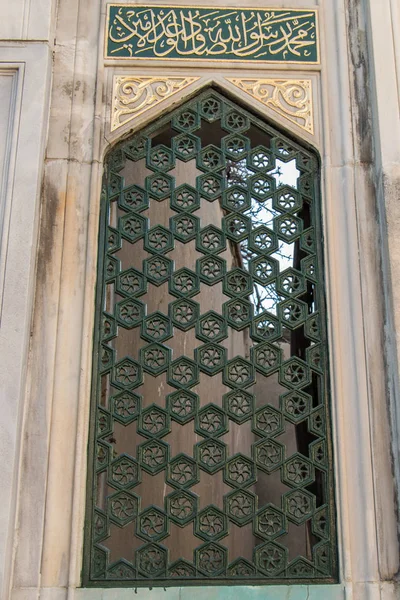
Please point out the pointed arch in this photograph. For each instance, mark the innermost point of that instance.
(210, 437)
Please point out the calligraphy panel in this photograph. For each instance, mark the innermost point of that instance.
(223, 34)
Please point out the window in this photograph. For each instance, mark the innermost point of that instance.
(210, 445)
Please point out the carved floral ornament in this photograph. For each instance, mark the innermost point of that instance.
(290, 98)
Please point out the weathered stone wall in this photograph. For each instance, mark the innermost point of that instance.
(25, 81)
(59, 99)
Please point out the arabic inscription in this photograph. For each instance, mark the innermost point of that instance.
(198, 33)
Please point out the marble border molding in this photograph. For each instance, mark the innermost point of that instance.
(52, 473)
(13, 72)
(30, 66)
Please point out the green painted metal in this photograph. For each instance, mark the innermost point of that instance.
(204, 33)
(286, 341)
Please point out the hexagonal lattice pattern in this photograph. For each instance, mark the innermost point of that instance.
(283, 149)
(182, 471)
(185, 199)
(288, 227)
(268, 422)
(296, 406)
(187, 120)
(239, 373)
(186, 146)
(210, 158)
(298, 471)
(153, 456)
(184, 227)
(210, 356)
(211, 269)
(127, 374)
(270, 523)
(295, 373)
(270, 558)
(211, 524)
(160, 158)
(236, 198)
(211, 421)
(263, 240)
(151, 560)
(157, 269)
(125, 407)
(129, 313)
(211, 559)
(262, 187)
(159, 186)
(264, 269)
(182, 405)
(287, 199)
(184, 313)
(268, 455)
(183, 373)
(239, 471)
(238, 313)
(266, 358)
(237, 283)
(152, 524)
(211, 455)
(292, 313)
(181, 507)
(156, 327)
(299, 506)
(235, 146)
(265, 327)
(123, 507)
(133, 198)
(124, 472)
(261, 159)
(158, 240)
(240, 506)
(184, 283)
(210, 108)
(137, 148)
(236, 226)
(154, 422)
(132, 227)
(211, 327)
(131, 283)
(239, 405)
(291, 282)
(235, 121)
(211, 240)
(210, 186)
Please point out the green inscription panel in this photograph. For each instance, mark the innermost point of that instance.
(198, 33)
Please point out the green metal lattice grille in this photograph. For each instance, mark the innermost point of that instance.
(211, 457)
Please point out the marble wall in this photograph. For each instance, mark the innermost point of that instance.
(55, 105)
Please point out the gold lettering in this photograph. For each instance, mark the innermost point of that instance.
(238, 33)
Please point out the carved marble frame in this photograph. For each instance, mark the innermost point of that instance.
(366, 522)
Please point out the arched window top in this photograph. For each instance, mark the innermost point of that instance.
(210, 445)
